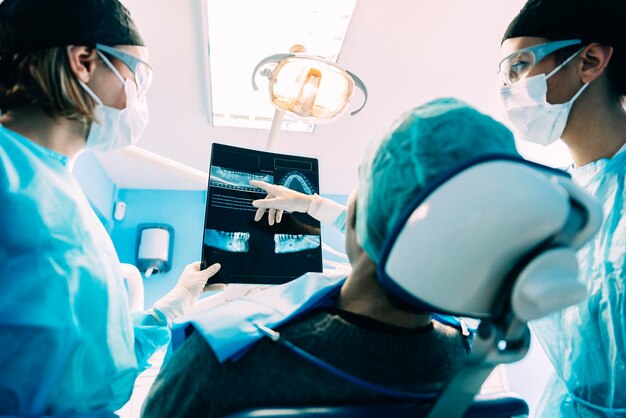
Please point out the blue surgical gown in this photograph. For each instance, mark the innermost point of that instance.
(68, 342)
(586, 343)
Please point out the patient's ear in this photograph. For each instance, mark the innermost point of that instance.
(351, 212)
(353, 249)
(352, 219)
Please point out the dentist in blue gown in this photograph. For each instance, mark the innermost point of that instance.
(563, 76)
(73, 75)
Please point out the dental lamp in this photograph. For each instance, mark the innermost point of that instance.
(307, 87)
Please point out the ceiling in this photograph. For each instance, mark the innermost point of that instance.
(406, 52)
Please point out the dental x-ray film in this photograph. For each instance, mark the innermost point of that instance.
(255, 252)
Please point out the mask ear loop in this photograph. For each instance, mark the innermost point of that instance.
(112, 67)
(90, 93)
(564, 63)
(582, 89)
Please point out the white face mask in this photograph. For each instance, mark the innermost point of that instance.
(526, 107)
(117, 128)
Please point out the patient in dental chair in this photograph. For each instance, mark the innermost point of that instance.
(365, 332)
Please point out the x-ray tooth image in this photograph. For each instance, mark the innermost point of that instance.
(240, 180)
(297, 181)
(252, 252)
(288, 243)
(234, 242)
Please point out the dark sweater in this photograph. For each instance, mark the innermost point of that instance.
(194, 384)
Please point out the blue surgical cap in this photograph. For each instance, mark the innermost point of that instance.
(424, 143)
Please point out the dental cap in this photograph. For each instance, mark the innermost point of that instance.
(423, 144)
(32, 25)
(587, 20)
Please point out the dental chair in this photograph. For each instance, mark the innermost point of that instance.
(494, 239)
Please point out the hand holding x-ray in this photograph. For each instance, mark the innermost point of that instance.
(194, 279)
(278, 200)
(190, 285)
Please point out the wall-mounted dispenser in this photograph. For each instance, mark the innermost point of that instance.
(155, 246)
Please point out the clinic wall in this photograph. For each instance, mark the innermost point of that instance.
(183, 210)
(96, 184)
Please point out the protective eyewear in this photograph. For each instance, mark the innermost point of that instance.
(142, 71)
(518, 65)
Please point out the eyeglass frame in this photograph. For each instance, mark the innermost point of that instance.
(128, 60)
(539, 51)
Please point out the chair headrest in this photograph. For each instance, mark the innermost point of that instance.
(494, 227)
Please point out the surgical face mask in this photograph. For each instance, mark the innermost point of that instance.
(526, 107)
(117, 128)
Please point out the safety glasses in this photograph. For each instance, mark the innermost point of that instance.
(142, 71)
(516, 66)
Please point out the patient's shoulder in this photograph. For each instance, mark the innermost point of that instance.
(185, 382)
(452, 342)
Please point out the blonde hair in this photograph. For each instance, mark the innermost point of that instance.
(44, 78)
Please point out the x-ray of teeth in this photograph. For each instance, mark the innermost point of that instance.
(255, 253)
(234, 242)
(230, 179)
(232, 203)
(288, 243)
(298, 177)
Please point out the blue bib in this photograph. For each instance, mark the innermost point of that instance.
(229, 328)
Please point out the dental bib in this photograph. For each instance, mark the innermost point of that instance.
(231, 328)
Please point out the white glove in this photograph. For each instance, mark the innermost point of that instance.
(325, 210)
(280, 199)
(188, 289)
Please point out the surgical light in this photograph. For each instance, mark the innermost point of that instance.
(308, 87)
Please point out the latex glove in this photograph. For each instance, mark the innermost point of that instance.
(280, 198)
(188, 289)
